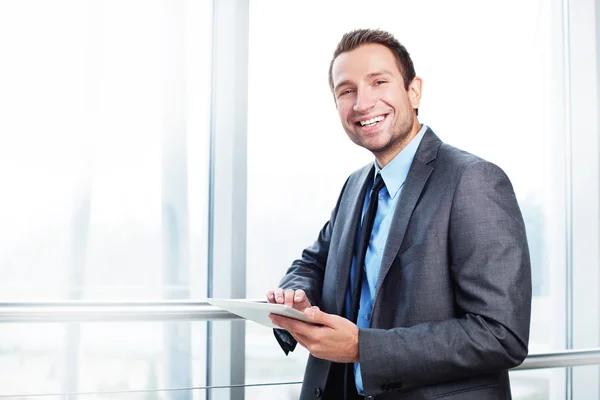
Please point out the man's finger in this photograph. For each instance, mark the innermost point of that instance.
(279, 295)
(282, 322)
(300, 296)
(298, 338)
(271, 296)
(289, 298)
(318, 316)
(303, 340)
(291, 324)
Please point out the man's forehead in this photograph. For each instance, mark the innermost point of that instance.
(364, 62)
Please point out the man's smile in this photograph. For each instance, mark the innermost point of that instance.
(370, 121)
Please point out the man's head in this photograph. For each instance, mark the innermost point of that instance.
(377, 94)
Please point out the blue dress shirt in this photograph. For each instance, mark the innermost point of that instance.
(393, 174)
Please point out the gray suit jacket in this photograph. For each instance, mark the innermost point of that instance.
(453, 301)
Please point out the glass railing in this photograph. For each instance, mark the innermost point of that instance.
(133, 351)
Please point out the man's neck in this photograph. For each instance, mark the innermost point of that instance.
(388, 155)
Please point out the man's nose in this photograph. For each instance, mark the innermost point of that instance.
(365, 100)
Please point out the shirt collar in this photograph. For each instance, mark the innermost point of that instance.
(395, 172)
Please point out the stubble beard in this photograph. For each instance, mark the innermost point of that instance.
(400, 135)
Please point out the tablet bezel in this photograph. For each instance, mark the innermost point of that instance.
(257, 311)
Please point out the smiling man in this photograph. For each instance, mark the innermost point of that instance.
(419, 284)
(375, 106)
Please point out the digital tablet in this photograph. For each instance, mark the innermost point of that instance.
(258, 312)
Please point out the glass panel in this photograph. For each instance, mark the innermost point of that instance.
(29, 364)
(584, 39)
(586, 382)
(103, 151)
(470, 99)
(283, 392)
(102, 357)
(542, 384)
(265, 362)
(550, 384)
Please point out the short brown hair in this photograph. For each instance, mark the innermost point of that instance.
(359, 37)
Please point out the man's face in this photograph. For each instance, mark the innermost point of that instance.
(375, 109)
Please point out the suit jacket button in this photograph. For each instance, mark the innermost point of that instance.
(318, 392)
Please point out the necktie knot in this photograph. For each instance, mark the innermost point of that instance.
(378, 184)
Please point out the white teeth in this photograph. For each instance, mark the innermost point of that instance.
(372, 121)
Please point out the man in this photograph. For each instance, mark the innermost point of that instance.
(421, 287)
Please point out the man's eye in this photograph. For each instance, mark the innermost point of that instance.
(345, 92)
(379, 83)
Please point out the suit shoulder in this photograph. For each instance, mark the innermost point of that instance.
(459, 166)
(452, 158)
(457, 157)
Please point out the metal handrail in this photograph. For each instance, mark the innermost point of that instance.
(186, 310)
(91, 311)
(560, 359)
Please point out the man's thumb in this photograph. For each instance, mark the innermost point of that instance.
(315, 314)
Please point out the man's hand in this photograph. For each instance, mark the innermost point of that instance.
(292, 298)
(334, 339)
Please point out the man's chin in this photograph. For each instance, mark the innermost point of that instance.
(376, 148)
(389, 146)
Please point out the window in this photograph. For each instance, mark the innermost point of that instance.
(104, 171)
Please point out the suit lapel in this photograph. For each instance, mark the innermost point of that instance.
(416, 179)
(349, 215)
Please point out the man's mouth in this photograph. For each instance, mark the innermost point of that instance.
(368, 123)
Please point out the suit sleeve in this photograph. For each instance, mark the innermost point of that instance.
(490, 267)
(307, 273)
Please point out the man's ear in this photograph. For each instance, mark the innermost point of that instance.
(414, 92)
